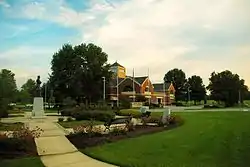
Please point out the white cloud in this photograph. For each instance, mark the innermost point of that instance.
(28, 62)
(145, 34)
(4, 4)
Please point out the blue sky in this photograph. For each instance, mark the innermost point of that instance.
(198, 36)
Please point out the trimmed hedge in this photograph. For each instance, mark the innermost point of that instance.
(94, 114)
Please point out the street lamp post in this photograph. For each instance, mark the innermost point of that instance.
(103, 89)
(188, 96)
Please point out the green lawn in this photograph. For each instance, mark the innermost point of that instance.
(72, 124)
(16, 112)
(10, 126)
(23, 162)
(217, 139)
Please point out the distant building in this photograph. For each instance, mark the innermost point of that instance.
(143, 88)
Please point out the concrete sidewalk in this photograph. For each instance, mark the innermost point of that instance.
(56, 150)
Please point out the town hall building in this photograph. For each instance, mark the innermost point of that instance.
(138, 88)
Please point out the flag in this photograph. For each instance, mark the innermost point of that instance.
(133, 85)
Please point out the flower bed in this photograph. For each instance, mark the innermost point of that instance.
(21, 144)
(84, 140)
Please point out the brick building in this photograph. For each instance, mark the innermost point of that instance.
(122, 86)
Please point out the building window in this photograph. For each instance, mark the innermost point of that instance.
(147, 89)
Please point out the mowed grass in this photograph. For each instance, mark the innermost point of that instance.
(207, 139)
(72, 124)
(22, 162)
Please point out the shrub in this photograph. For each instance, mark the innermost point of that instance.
(178, 104)
(26, 133)
(88, 129)
(60, 119)
(118, 131)
(175, 120)
(97, 115)
(134, 114)
(69, 102)
(3, 108)
(211, 106)
(125, 103)
(69, 119)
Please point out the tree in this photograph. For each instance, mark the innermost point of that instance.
(8, 90)
(178, 78)
(77, 72)
(247, 97)
(226, 87)
(29, 86)
(27, 91)
(197, 88)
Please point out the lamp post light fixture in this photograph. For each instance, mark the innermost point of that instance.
(104, 88)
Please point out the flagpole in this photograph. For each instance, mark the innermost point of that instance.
(149, 87)
(117, 89)
(133, 85)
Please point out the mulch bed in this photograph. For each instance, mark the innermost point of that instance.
(84, 140)
(11, 148)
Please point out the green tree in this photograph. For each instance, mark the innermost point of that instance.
(178, 78)
(77, 72)
(226, 87)
(29, 86)
(26, 94)
(197, 88)
(8, 90)
(24, 97)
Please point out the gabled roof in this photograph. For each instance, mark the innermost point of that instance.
(117, 64)
(159, 87)
(113, 82)
(140, 80)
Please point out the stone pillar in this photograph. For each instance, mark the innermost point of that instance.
(38, 108)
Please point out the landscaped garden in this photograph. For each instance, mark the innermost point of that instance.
(217, 139)
(18, 146)
(73, 124)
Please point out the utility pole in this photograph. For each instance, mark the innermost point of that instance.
(239, 97)
(188, 96)
(45, 95)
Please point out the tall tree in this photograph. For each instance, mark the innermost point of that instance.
(27, 92)
(29, 86)
(8, 90)
(226, 87)
(197, 88)
(77, 72)
(8, 86)
(178, 78)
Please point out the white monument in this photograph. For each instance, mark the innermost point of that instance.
(38, 107)
(166, 113)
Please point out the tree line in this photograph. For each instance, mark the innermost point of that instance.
(225, 87)
(78, 71)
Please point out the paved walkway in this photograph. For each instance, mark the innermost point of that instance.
(56, 150)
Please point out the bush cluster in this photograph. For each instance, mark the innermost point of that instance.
(170, 120)
(212, 106)
(21, 142)
(94, 114)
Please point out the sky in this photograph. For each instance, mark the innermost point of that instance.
(197, 36)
